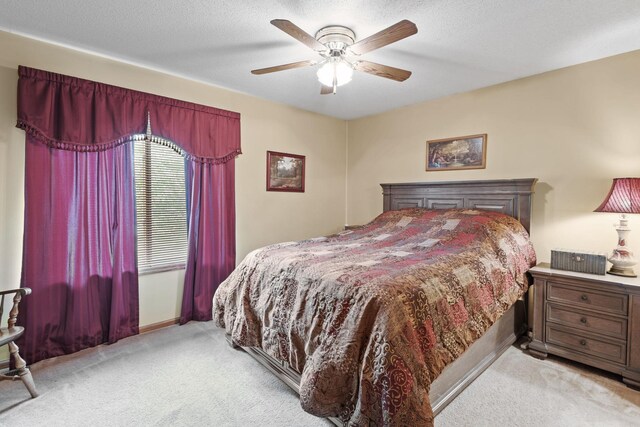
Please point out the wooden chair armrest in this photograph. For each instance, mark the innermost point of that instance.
(8, 337)
(17, 297)
(23, 291)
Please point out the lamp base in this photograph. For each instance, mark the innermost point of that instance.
(622, 258)
(622, 271)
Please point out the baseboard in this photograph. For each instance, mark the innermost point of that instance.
(159, 325)
(4, 364)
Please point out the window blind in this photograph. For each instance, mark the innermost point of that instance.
(161, 212)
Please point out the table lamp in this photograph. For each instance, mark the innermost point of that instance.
(623, 198)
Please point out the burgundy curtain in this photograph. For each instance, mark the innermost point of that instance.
(211, 231)
(79, 242)
(79, 250)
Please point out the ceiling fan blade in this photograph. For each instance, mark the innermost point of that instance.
(326, 90)
(297, 33)
(283, 67)
(387, 36)
(380, 70)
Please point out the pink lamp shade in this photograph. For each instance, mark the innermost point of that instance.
(624, 197)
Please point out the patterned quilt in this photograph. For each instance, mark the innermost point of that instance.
(370, 317)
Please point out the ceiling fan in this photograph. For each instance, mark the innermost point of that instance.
(337, 46)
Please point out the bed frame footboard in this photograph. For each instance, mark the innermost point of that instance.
(452, 381)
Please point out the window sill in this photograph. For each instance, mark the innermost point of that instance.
(160, 269)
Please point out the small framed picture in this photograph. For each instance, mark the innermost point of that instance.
(285, 172)
(462, 152)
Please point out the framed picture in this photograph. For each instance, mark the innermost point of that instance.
(462, 152)
(285, 172)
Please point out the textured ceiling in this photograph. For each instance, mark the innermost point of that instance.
(461, 44)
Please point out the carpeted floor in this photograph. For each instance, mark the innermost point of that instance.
(188, 375)
(519, 390)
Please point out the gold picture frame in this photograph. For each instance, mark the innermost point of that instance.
(461, 152)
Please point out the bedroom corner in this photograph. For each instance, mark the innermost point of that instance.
(574, 129)
(261, 218)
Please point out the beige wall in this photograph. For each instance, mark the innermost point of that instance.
(574, 129)
(262, 217)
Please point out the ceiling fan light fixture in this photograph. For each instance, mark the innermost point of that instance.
(339, 69)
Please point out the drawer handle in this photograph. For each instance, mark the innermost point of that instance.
(584, 297)
(583, 320)
(583, 342)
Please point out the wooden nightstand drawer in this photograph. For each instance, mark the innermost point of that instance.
(602, 324)
(588, 318)
(576, 295)
(605, 349)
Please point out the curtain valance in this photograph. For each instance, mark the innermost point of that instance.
(81, 115)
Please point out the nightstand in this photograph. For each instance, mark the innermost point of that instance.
(352, 227)
(588, 318)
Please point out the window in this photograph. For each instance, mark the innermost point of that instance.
(161, 212)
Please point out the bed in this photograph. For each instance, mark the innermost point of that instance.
(383, 364)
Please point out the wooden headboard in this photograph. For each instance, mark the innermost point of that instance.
(509, 196)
